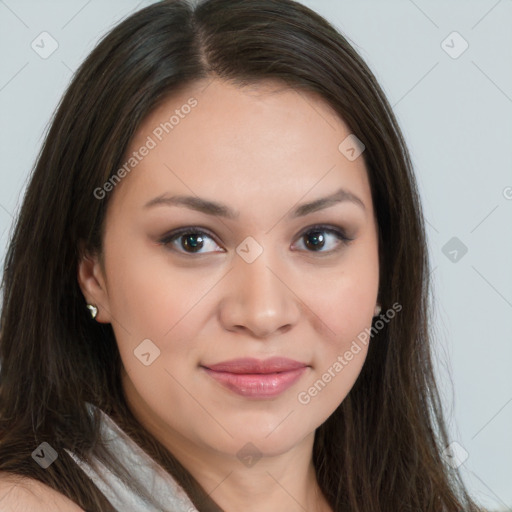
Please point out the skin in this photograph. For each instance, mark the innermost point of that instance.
(260, 150)
(19, 493)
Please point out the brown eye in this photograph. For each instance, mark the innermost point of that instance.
(314, 240)
(189, 241)
(193, 241)
(318, 238)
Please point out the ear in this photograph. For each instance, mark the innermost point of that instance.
(92, 282)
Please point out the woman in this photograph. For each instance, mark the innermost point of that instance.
(216, 294)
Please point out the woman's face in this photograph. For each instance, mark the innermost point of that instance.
(270, 279)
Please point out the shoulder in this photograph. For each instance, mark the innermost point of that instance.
(22, 494)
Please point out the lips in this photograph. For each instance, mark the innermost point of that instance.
(249, 365)
(254, 378)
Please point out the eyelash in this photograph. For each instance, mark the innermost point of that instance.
(196, 230)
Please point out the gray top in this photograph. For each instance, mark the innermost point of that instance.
(158, 483)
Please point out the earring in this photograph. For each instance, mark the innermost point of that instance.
(93, 310)
(378, 309)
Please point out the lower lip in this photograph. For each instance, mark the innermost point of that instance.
(258, 385)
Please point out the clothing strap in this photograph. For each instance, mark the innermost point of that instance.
(167, 494)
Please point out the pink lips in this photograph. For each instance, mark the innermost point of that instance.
(257, 379)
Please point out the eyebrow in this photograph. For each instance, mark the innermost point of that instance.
(220, 210)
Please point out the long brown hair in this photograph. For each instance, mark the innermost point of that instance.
(381, 449)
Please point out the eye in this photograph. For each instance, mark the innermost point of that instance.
(317, 238)
(189, 240)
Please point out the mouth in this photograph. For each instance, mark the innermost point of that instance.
(257, 379)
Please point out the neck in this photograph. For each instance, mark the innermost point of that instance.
(273, 484)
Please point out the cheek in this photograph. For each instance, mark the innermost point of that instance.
(344, 306)
(152, 298)
(331, 383)
(343, 299)
(341, 350)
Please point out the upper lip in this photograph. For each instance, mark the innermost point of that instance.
(251, 365)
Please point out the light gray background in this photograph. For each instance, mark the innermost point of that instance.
(456, 114)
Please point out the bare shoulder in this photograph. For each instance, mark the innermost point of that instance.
(21, 494)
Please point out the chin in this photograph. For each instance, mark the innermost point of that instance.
(271, 437)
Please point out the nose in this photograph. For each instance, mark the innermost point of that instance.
(259, 299)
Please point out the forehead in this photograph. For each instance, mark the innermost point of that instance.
(260, 141)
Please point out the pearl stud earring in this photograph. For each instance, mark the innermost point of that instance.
(93, 310)
(378, 309)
